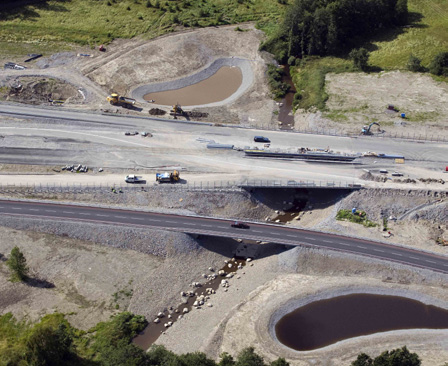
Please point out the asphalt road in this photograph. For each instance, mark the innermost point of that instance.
(219, 227)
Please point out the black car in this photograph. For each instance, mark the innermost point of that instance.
(261, 139)
(239, 225)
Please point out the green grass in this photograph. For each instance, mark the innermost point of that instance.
(309, 79)
(359, 218)
(427, 37)
(88, 22)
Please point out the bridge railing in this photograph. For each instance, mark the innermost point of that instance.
(25, 189)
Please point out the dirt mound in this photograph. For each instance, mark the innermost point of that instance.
(38, 90)
(157, 112)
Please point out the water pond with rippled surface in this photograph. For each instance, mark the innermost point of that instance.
(325, 322)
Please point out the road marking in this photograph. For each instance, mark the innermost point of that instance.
(187, 223)
(400, 255)
(50, 211)
(327, 241)
(173, 222)
(154, 220)
(102, 215)
(430, 261)
(69, 212)
(83, 213)
(120, 217)
(16, 208)
(207, 225)
(414, 258)
(256, 231)
(274, 233)
(310, 238)
(292, 236)
(359, 246)
(347, 245)
(379, 250)
(138, 218)
(33, 209)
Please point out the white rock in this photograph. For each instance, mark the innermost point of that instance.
(160, 315)
(166, 325)
(180, 317)
(169, 316)
(196, 303)
(156, 320)
(221, 272)
(211, 269)
(248, 259)
(183, 293)
(170, 324)
(204, 275)
(209, 305)
(229, 265)
(185, 310)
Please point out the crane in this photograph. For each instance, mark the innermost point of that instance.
(366, 129)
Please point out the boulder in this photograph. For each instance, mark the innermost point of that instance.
(156, 320)
(185, 310)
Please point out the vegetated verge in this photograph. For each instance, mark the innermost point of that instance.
(359, 217)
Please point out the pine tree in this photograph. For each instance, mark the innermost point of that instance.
(17, 265)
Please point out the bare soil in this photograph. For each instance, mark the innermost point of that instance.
(357, 99)
(40, 90)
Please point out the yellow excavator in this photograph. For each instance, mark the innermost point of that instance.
(118, 100)
(176, 110)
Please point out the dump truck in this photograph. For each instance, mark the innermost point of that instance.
(133, 179)
(168, 177)
(118, 100)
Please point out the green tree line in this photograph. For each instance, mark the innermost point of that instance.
(329, 27)
(53, 342)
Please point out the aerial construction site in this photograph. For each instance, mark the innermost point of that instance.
(158, 176)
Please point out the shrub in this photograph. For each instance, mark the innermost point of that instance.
(439, 65)
(414, 64)
(360, 58)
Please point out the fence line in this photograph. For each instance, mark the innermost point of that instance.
(79, 188)
(330, 132)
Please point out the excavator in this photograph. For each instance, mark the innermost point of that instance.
(168, 177)
(366, 129)
(176, 110)
(118, 100)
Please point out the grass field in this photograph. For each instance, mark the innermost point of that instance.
(89, 22)
(426, 36)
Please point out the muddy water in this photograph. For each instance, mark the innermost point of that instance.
(326, 322)
(152, 331)
(217, 87)
(285, 114)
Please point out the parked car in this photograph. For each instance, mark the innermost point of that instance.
(397, 174)
(239, 225)
(145, 134)
(261, 139)
(129, 133)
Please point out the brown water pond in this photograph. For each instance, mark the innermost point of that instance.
(216, 88)
(325, 322)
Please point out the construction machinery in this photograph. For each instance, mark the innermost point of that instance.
(166, 177)
(176, 110)
(366, 129)
(118, 100)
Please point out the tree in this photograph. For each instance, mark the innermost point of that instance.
(363, 360)
(414, 64)
(396, 357)
(248, 357)
(123, 354)
(49, 342)
(439, 65)
(401, 12)
(279, 362)
(360, 58)
(17, 265)
(226, 360)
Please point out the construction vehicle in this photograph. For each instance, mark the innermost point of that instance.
(133, 179)
(176, 110)
(116, 99)
(168, 177)
(366, 129)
